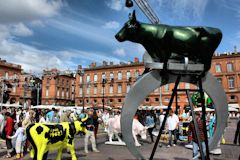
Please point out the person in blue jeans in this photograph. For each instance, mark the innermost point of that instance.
(172, 123)
(149, 122)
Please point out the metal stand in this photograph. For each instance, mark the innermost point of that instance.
(175, 90)
(155, 78)
(165, 117)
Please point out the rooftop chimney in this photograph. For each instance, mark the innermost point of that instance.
(136, 60)
(235, 49)
(79, 67)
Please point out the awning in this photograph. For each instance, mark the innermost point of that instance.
(234, 105)
(232, 109)
(11, 105)
(207, 109)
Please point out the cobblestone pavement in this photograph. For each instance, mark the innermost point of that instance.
(109, 152)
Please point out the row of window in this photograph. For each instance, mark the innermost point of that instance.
(111, 76)
(6, 76)
(58, 92)
(231, 82)
(95, 89)
(88, 101)
(218, 67)
(119, 90)
(63, 82)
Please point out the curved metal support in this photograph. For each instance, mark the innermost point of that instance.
(152, 80)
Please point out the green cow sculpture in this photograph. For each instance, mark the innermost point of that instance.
(163, 42)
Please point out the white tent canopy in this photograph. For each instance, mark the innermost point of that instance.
(232, 109)
(234, 105)
(16, 105)
(207, 109)
(152, 107)
(58, 107)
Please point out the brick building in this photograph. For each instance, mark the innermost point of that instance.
(120, 77)
(226, 68)
(10, 74)
(17, 84)
(117, 81)
(58, 88)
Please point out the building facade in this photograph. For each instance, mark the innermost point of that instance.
(17, 84)
(10, 81)
(58, 88)
(92, 90)
(106, 85)
(226, 68)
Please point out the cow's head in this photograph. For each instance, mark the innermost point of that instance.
(81, 125)
(129, 30)
(143, 133)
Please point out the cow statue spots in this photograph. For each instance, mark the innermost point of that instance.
(45, 137)
(164, 42)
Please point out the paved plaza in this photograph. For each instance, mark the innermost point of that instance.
(109, 152)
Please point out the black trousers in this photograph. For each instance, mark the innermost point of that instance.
(9, 143)
(237, 134)
(150, 133)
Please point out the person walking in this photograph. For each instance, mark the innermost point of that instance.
(65, 117)
(90, 133)
(191, 131)
(26, 122)
(172, 122)
(95, 123)
(161, 118)
(149, 122)
(2, 122)
(9, 131)
(237, 133)
(20, 138)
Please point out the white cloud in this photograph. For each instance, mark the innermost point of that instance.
(120, 52)
(29, 57)
(111, 25)
(115, 4)
(87, 31)
(14, 15)
(37, 23)
(13, 11)
(191, 9)
(21, 30)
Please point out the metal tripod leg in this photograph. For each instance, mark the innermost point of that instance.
(196, 129)
(204, 117)
(165, 117)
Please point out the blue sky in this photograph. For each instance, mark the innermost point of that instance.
(40, 34)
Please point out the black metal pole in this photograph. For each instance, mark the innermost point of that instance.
(103, 85)
(165, 117)
(83, 96)
(176, 111)
(196, 129)
(204, 118)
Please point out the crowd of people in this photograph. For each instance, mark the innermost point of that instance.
(13, 123)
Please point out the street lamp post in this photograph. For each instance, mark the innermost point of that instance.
(103, 85)
(83, 96)
(38, 89)
(3, 87)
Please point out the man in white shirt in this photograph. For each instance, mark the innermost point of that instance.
(172, 122)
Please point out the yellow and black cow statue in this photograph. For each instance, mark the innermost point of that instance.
(56, 136)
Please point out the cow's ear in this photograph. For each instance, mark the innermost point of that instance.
(134, 16)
